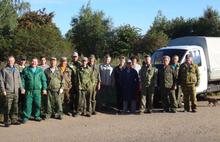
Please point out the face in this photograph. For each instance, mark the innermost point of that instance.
(107, 60)
(34, 62)
(11, 61)
(129, 64)
(122, 61)
(189, 60)
(166, 61)
(148, 60)
(92, 61)
(43, 61)
(84, 62)
(64, 63)
(134, 61)
(175, 59)
(22, 62)
(53, 63)
(75, 58)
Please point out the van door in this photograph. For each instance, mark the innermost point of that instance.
(199, 59)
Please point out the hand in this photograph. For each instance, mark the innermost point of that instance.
(4, 93)
(98, 87)
(23, 91)
(44, 92)
(60, 91)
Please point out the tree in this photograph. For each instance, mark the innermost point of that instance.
(37, 35)
(90, 31)
(125, 39)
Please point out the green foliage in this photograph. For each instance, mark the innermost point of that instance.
(125, 39)
(90, 31)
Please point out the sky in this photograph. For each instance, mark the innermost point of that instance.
(138, 13)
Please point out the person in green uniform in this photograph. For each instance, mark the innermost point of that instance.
(84, 87)
(189, 79)
(148, 81)
(167, 84)
(67, 74)
(55, 87)
(35, 83)
(95, 82)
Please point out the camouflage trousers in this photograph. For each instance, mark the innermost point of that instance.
(189, 94)
(169, 99)
(84, 103)
(147, 95)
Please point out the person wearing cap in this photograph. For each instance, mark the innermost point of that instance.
(22, 63)
(75, 65)
(35, 83)
(84, 86)
(55, 87)
(43, 63)
(148, 81)
(117, 73)
(105, 92)
(130, 81)
(67, 74)
(95, 81)
(10, 85)
(167, 84)
(189, 79)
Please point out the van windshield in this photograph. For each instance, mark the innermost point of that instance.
(157, 57)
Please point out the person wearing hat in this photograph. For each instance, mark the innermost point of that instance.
(22, 63)
(130, 81)
(148, 80)
(67, 74)
(95, 81)
(189, 79)
(117, 73)
(84, 86)
(55, 84)
(35, 83)
(75, 65)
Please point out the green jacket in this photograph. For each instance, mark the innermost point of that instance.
(55, 80)
(84, 78)
(148, 76)
(189, 75)
(95, 75)
(34, 80)
(166, 77)
(10, 80)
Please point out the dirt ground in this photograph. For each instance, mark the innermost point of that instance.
(203, 126)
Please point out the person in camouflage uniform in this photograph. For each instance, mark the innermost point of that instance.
(10, 85)
(67, 74)
(167, 84)
(95, 82)
(178, 93)
(55, 83)
(148, 81)
(84, 87)
(189, 79)
(76, 64)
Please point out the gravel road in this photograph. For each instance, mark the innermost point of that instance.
(203, 126)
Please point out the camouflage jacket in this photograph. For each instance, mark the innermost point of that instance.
(166, 77)
(55, 79)
(84, 78)
(148, 76)
(189, 75)
(68, 77)
(95, 75)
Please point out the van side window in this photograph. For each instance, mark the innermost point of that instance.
(196, 57)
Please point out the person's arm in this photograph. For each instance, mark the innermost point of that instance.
(2, 79)
(197, 76)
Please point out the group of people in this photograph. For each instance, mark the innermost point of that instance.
(40, 91)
